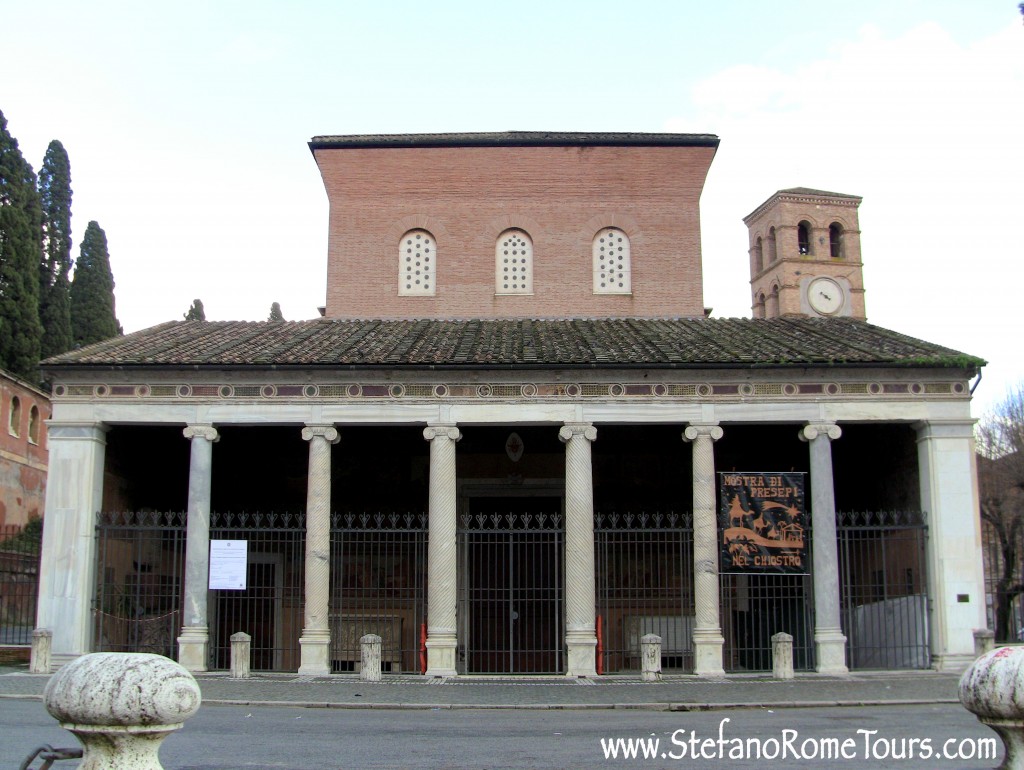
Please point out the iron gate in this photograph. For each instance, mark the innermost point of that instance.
(644, 571)
(270, 608)
(378, 586)
(140, 564)
(884, 588)
(19, 581)
(511, 610)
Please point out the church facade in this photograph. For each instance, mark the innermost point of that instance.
(506, 447)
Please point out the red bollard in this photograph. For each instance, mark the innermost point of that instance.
(423, 648)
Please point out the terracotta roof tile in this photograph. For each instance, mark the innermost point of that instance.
(516, 342)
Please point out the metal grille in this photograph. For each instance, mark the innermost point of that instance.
(754, 608)
(511, 611)
(378, 586)
(644, 571)
(19, 581)
(271, 606)
(884, 588)
(1003, 558)
(140, 563)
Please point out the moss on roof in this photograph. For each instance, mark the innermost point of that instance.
(520, 343)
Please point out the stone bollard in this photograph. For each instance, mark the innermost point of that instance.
(992, 688)
(241, 646)
(984, 641)
(650, 656)
(369, 669)
(39, 662)
(782, 656)
(121, 706)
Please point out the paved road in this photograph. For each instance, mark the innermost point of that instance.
(237, 737)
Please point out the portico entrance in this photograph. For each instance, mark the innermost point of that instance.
(511, 611)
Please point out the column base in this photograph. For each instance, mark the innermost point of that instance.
(707, 653)
(441, 654)
(830, 649)
(954, 662)
(582, 653)
(315, 652)
(193, 648)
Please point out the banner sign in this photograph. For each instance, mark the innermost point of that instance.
(763, 523)
(228, 560)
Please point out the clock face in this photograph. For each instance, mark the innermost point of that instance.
(825, 296)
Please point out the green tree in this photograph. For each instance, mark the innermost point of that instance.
(20, 254)
(55, 267)
(92, 291)
(196, 312)
(275, 312)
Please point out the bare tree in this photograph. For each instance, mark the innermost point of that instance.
(1000, 443)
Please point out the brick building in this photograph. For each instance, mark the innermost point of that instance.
(23, 410)
(499, 448)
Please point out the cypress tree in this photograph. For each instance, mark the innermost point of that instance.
(196, 312)
(92, 291)
(20, 254)
(275, 313)
(54, 284)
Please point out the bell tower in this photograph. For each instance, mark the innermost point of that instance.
(805, 255)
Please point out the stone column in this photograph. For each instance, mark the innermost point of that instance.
(194, 642)
(442, 583)
(315, 642)
(707, 634)
(74, 495)
(829, 642)
(949, 498)
(580, 590)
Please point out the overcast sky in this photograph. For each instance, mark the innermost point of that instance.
(187, 127)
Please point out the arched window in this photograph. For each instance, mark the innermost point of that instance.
(759, 305)
(417, 264)
(14, 421)
(772, 254)
(771, 306)
(758, 255)
(835, 240)
(513, 263)
(612, 271)
(803, 237)
(33, 425)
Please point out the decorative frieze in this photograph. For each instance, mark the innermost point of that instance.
(529, 391)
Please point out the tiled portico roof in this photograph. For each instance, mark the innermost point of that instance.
(515, 343)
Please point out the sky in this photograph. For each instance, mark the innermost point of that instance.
(187, 126)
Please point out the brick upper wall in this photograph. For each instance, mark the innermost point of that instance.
(23, 462)
(466, 197)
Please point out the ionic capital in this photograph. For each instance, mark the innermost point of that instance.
(694, 432)
(571, 430)
(327, 432)
(442, 431)
(829, 430)
(201, 431)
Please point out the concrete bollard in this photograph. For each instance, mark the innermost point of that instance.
(241, 649)
(369, 669)
(121, 706)
(990, 689)
(782, 656)
(650, 656)
(39, 662)
(984, 641)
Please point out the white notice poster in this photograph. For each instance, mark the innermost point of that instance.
(227, 564)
